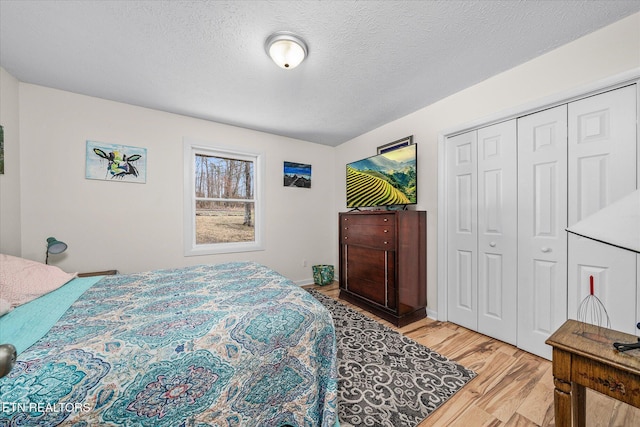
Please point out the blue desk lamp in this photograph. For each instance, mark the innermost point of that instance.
(54, 246)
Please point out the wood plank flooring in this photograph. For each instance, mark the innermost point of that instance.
(513, 388)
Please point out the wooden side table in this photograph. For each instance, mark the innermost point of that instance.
(99, 273)
(583, 356)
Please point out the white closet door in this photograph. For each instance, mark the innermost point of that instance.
(542, 219)
(462, 235)
(602, 169)
(497, 231)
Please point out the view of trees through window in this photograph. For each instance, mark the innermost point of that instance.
(225, 203)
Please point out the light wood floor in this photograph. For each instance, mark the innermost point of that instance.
(513, 387)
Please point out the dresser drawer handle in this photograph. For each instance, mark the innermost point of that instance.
(386, 243)
(345, 238)
(386, 231)
(386, 219)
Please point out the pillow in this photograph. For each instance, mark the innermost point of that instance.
(5, 306)
(23, 280)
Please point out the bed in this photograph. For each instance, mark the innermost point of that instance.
(233, 344)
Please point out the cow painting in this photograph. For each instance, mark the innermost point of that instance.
(116, 162)
(119, 163)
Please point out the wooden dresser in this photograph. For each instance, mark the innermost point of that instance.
(383, 263)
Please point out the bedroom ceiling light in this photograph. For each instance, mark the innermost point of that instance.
(54, 246)
(286, 49)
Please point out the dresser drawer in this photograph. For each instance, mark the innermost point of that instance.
(380, 237)
(370, 273)
(368, 220)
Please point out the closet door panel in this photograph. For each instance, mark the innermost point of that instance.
(462, 234)
(602, 151)
(497, 231)
(602, 169)
(542, 218)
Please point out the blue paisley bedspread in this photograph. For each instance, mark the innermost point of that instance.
(233, 344)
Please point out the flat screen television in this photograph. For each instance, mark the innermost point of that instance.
(387, 179)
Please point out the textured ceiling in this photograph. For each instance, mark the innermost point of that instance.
(369, 63)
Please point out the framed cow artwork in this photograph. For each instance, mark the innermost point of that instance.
(114, 162)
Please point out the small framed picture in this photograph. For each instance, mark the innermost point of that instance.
(297, 175)
(402, 142)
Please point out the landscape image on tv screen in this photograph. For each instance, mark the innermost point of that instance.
(383, 180)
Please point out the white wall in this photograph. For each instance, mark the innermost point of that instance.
(10, 181)
(609, 51)
(136, 227)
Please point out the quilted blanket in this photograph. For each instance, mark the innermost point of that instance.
(235, 344)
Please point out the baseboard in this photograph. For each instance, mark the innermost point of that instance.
(432, 314)
(304, 282)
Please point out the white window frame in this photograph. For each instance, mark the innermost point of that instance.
(191, 149)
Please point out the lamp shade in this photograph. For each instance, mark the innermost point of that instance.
(286, 49)
(55, 246)
(617, 224)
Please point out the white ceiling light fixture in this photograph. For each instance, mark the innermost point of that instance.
(286, 49)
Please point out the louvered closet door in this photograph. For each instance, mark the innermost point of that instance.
(602, 169)
(542, 219)
(462, 235)
(497, 231)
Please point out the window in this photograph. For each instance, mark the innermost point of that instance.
(222, 200)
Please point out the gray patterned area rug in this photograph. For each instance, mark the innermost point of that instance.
(385, 378)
